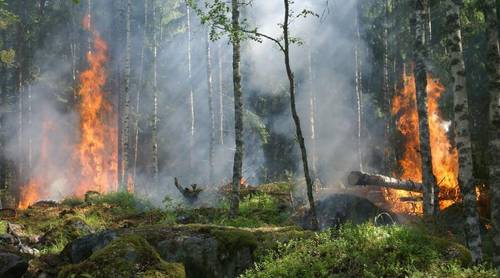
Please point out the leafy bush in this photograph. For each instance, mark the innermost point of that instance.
(257, 210)
(368, 251)
(123, 202)
(72, 202)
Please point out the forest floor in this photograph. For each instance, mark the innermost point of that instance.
(121, 235)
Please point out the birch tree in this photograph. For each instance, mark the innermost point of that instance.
(431, 203)
(462, 128)
(493, 71)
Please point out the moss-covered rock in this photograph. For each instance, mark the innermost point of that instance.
(128, 256)
(70, 229)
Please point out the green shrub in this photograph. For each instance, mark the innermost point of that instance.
(123, 202)
(72, 202)
(368, 251)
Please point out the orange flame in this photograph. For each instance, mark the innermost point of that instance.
(36, 189)
(94, 157)
(444, 155)
(98, 147)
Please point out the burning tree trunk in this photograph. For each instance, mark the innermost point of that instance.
(154, 131)
(126, 106)
(238, 109)
(357, 178)
(211, 142)
(462, 129)
(430, 191)
(387, 166)
(493, 70)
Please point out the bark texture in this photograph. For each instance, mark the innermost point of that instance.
(296, 119)
(493, 70)
(238, 109)
(462, 129)
(125, 130)
(431, 205)
(357, 178)
(359, 90)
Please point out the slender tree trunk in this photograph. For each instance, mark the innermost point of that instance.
(238, 110)
(126, 104)
(296, 118)
(191, 90)
(140, 88)
(154, 131)
(221, 97)
(431, 204)
(312, 114)
(493, 70)
(211, 144)
(359, 90)
(462, 129)
(387, 167)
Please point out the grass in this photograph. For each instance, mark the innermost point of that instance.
(369, 251)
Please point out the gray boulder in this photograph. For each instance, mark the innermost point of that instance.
(12, 265)
(82, 248)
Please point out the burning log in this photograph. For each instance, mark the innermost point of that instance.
(191, 194)
(357, 178)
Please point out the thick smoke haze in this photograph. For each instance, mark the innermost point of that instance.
(324, 67)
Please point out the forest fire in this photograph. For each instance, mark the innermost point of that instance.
(93, 159)
(97, 151)
(444, 155)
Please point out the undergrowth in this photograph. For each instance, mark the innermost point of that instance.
(369, 251)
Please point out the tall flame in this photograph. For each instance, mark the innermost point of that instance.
(98, 147)
(94, 157)
(444, 155)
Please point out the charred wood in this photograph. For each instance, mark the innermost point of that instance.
(357, 178)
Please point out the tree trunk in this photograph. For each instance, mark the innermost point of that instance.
(312, 114)
(493, 70)
(387, 165)
(359, 90)
(431, 204)
(191, 93)
(140, 88)
(221, 98)
(211, 143)
(296, 118)
(238, 110)
(462, 129)
(358, 178)
(126, 104)
(154, 131)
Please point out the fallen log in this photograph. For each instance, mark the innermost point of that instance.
(357, 178)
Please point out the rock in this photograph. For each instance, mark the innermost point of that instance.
(128, 256)
(82, 248)
(12, 265)
(7, 239)
(16, 230)
(337, 209)
(71, 229)
(208, 251)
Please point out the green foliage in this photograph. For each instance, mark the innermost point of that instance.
(72, 202)
(256, 211)
(3, 227)
(123, 202)
(369, 251)
(255, 123)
